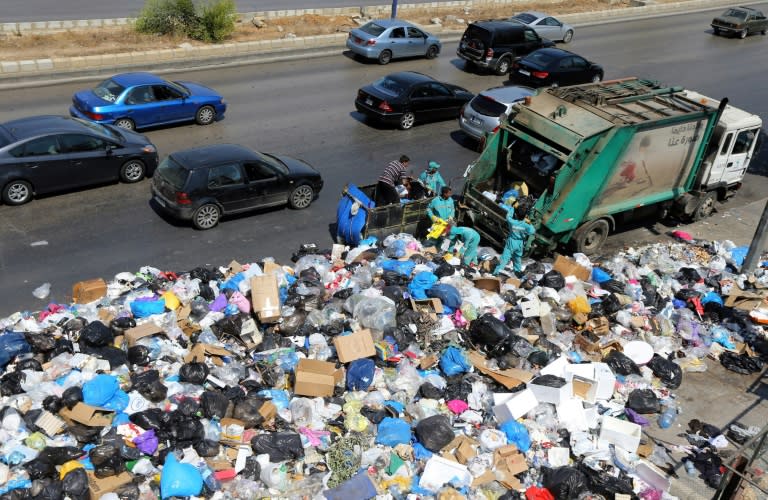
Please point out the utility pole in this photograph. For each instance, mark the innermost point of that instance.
(394, 9)
(758, 243)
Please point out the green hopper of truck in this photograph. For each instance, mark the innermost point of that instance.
(597, 155)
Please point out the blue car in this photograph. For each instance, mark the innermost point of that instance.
(389, 39)
(138, 100)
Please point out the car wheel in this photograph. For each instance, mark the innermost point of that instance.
(205, 115)
(555, 85)
(597, 78)
(384, 57)
(407, 120)
(206, 217)
(715, 31)
(301, 197)
(132, 171)
(432, 51)
(503, 67)
(743, 33)
(589, 238)
(568, 36)
(17, 192)
(469, 65)
(125, 123)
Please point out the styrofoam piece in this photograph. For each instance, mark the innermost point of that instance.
(554, 395)
(638, 351)
(558, 456)
(440, 471)
(570, 413)
(599, 372)
(515, 406)
(556, 367)
(651, 476)
(620, 433)
(530, 306)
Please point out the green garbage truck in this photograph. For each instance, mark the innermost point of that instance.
(584, 159)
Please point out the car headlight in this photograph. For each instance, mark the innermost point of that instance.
(149, 148)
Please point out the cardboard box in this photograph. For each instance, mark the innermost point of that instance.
(554, 395)
(584, 388)
(489, 284)
(265, 297)
(620, 433)
(199, 351)
(316, 378)
(569, 267)
(143, 330)
(87, 291)
(92, 416)
(354, 346)
(97, 487)
(433, 307)
(515, 406)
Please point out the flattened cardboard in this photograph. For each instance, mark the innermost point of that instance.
(265, 298)
(144, 330)
(97, 487)
(489, 284)
(270, 267)
(235, 267)
(509, 378)
(354, 346)
(268, 411)
(199, 351)
(87, 291)
(584, 388)
(746, 301)
(316, 378)
(569, 267)
(92, 416)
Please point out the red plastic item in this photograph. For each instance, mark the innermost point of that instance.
(225, 475)
(535, 493)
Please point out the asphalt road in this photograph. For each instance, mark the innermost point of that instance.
(305, 108)
(56, 10)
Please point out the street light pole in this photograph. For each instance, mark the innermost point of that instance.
(394, 9)
(758, 243)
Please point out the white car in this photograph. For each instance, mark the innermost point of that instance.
(545, 25)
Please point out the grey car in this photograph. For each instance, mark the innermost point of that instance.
(480, 117)
(545, 25)
(387, 39)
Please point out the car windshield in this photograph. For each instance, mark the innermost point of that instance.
(487, 106)
(525, 18)
(373, 29)
(272, 161)
(389, 85)
(100, 129)
(173, 173)
(540, 58)
(739, 14)
(109, 90)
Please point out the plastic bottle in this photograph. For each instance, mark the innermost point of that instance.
(273, 475)
(209, 478)
(668, 416)
(689, 467)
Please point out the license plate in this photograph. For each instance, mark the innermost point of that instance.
(524, 72)
(474, 120)
(369, 102)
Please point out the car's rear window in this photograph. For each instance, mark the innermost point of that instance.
(173, 173)
(540, 58)
(373, 29)
(109, 90)
(474, 32)
(525, 18)
(389, 85)
(5, 137)
(487, 106)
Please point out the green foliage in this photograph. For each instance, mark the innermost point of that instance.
(211, 22)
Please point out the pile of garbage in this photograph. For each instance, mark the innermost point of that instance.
(386, 369)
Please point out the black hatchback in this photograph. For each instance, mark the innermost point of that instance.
(553, 67)
(202, 184)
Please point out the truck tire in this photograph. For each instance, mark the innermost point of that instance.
(589, 238)
(705, 206)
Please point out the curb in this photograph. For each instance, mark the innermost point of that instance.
(41, 72)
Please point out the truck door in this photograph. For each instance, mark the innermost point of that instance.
(737, 161)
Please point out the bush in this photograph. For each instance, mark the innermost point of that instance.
(217, 20)
(212, 22)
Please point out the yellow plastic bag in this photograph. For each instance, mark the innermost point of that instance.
(579, 305)
(437, 229)
(171, 300)
(68, 467)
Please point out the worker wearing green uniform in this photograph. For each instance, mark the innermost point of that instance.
(470, 239)
(431, 178)
(519, 231)
(442, 206)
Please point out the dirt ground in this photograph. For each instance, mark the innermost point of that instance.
(125, 39)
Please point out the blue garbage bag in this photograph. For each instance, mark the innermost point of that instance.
(738, 255)
(453, 361)
(712, 297)
(104, 391)
(447, 294)
(517, 434)
(398, 248)
(360, 374)
(421, 453)
(393, 431)
(404, 267)
(11, 345)
(358, 486)
(420, 283)
(179, 480)
(233, 283)
(600, 276)
(144, 308)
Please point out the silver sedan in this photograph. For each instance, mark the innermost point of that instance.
(545, 25)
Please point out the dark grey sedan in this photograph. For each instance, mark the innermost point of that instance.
(45, 154)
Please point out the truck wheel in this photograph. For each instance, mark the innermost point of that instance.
(589, 238)
(705, 207)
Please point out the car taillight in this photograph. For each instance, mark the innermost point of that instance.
(371, 41)
(183, 198)
(384, 106)
(515, 65)
(489, 54)
(539, 74)
(94, 116)
(495, 129)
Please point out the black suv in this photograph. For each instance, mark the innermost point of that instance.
(495, 44)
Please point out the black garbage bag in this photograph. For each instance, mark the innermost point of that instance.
(564, 482)
(138, 355)
(184, 429)
(37, 468)
(10, 383)
(549, 381)
(444, 269)
(29, 364)
(52, 404)
(344, 293)
(72, 396)
(393, 278)
(128, 491)
(669, 372)
(74, 325)
(614, 286)
(518, 346)
(280, 446)
(207, 448)
(741, 363)
(538, 358)
(552, 279)
(535, 267)
(247, 410)
(374, 415)
(153, 418)
(122, 323)
(513, 318)
(48, 489)
(193, 373)
(252, 469)
(696, 426)
(188, 407)
(106, 460)
(434, 432)
(129, 453)
(611, 304)
(234, 394)
(75, 484)
(148, 384)
(214, 404)
(688, 276)
(686, 294)
(228, 326)
(621, 364)
(84, 433)
(644, 401)
(97, 334)
(490, 333)
(114, 355)
(59, 455)
(30, 417)
(708, 463)
(429, 391)
(292, 323)
(605, 484)
(40, 342)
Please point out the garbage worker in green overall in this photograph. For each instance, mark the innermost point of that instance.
(431, 178)
(442, 207)
(519, 231)
(470, 239)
